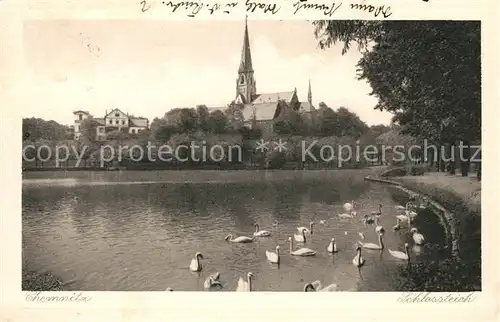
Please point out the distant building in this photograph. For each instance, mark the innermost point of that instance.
(262, 109)
(115, 120)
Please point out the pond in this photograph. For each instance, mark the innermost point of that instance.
(139, 230)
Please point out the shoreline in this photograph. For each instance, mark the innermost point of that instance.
(32, 281)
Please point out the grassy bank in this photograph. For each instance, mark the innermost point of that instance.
(33, 281)
(461, 197)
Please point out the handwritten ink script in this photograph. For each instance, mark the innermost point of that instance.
(192, 8)
(427, 297)
(76, 297)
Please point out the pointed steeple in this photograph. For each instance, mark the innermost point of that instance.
(246, 56)
(309, 93)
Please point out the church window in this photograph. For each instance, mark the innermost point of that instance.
(242, 79)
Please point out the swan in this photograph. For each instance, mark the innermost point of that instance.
(401, 255)
(195, 265)
(241, 239)
(169, 289)
(358, 260)
(404, 218)
(300, 251)
(273, 257)
(302, 237)
(322, 222)
(417, 237)
(379, 212)
(399, 207)
(369, 220)
(361, 235)
(349, 206)
(380, 245)
(345, 216)
(260, 233)
(245, 286)
(378, 228)
(411, 214)
(317, 287)
(332, 247)
(212, 281)
(310, 229)
(397, 226)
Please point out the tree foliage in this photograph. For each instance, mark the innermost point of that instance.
(36, 128)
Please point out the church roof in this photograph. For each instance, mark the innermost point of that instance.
(263, 112)
(306, 107)
(273, 97)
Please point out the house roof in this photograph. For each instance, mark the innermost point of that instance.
(138, 122)
(100, 121)
(273, 97)
(263, 112)
(306, 107)
(114, 111)
(80, 111)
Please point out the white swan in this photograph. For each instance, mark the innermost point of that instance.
(245, 286)
(309, 230)
(417, 237)
(169, 289)
(401, 255)
(212, 281)
(345, 216)
(358, 260)
(332, 247)
(349, 206)
(300, 251)
(317, 287)
(404, 218)
(241, 239)
(322, 222)
(195, 265)
(379, 212)
(378, 228)
(380, 245)
(273, 257)
(260, 233)
(361, 235)
(397, 226)
(302, 237)
(399, 207)
(411, 214)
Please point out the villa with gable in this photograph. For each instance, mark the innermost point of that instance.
(116, 120)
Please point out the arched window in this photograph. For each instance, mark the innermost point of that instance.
(242, 79)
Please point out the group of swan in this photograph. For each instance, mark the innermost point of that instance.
(274, 257)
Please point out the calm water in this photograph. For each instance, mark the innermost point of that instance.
(137, 231)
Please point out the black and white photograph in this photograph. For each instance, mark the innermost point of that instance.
(251, 155)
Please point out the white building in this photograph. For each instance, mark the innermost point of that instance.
(115, 120)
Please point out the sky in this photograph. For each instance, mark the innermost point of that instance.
(148, 67)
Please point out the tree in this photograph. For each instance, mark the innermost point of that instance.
(88, 130)
(234, 114)
(290, 122)
(427, 73)
(36, 128)
(203, 117)
(217, 122)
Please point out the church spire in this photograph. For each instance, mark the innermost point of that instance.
(246, 56)
(309, 93)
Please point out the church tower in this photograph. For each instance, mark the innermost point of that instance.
(309, 94)
(245, 84)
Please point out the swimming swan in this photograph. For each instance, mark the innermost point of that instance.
(332, 247)
(378, 228)
(349, 206)
(309, 230)
(241, 239)
(317, 287)
(212, 281)
(358, 261)
(300, 251)
(302, 237)
(345, 216)
(417, 237)
(273, 257)
(195, 265)
(397, 226)
(380, 245)
(245, 286)
(401, 255)
(379, 212)
(261, 233)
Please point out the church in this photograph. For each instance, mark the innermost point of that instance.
(261, 109)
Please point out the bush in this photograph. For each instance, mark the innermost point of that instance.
(275, 160)
(395, 172)
(416, 170)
